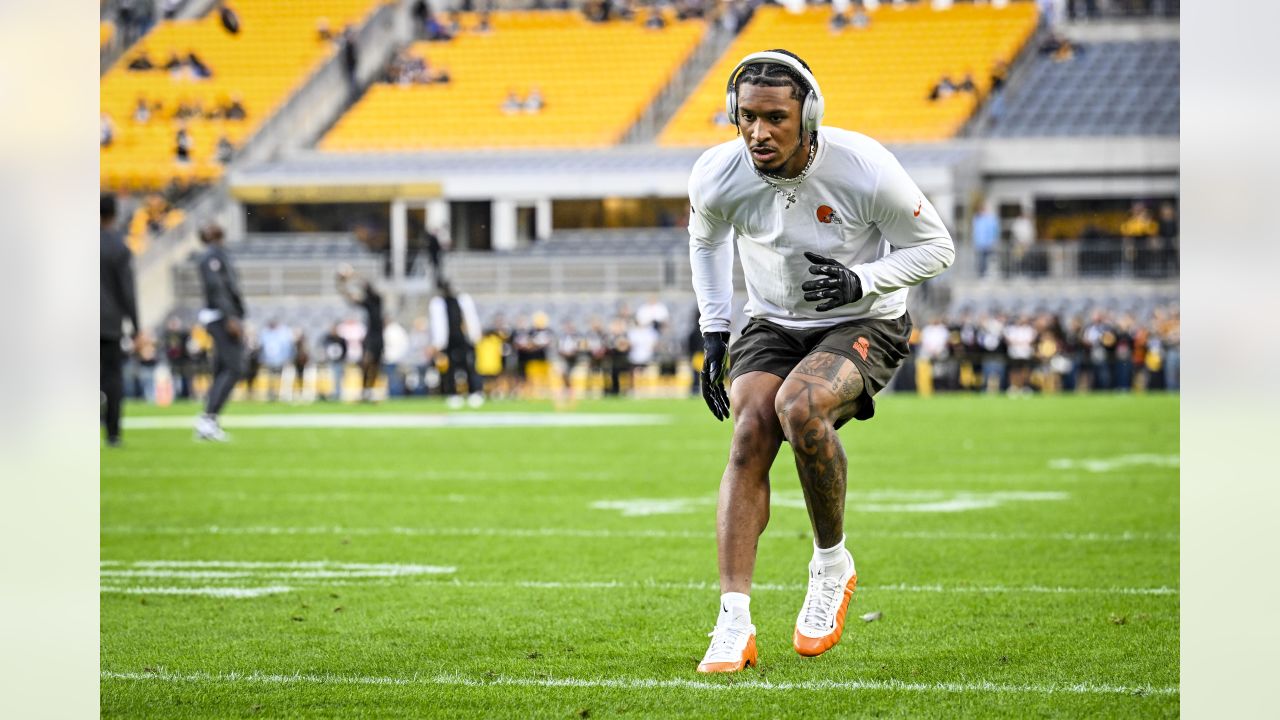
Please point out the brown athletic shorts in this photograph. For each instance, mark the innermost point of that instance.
(876, 347)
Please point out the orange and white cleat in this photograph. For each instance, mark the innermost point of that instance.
(733, 647)
(821, 620)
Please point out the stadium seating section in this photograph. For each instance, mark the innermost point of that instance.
(596, 80)
(876, 80)
(1111, 88)
(276, 48)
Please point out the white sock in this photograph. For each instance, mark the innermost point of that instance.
(736, 605)
(832, 558)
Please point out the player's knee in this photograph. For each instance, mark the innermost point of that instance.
(755, 439)
(797, 407)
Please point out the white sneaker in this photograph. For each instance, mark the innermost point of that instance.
(821, 619)
(733, 646)
(454, 402)
(475, 400)
(207, 428)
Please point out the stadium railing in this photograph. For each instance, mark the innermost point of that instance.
(1068, 259)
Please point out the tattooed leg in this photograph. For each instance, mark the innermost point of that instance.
(822, 389)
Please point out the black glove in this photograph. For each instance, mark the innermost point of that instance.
(841, 285)
(715, 348)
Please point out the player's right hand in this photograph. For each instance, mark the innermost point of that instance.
(233, 328)
(715, 351)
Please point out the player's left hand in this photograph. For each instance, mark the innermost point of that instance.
(840, 286)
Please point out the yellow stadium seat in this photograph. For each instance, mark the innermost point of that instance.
(876, 80)
(276, 49)
(596, 80)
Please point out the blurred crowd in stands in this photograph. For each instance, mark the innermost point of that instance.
(640, 350)
(1041, 352)
(516, 357)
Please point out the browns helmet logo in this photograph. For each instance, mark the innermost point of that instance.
(827, 214)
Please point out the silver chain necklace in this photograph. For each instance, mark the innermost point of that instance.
(790, 195)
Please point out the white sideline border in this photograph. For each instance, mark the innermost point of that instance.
(361, 421)
(455, 679)
(604, 533)
(656, 585)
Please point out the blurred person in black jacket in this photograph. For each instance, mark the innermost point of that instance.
(223, 316)
(371, 300)
(174, 341)
(117, 302)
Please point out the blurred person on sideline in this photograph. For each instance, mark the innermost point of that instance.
(174, 341)
(991, 341)
(303, 382)
(642, 339)
(570, 348)
(223, 318)
(491, 362)
(145, 359)
(1171, 341)
(117, 302)
(421, 355)
(252, 361)
(277, 352)
(372, 345)
(334, 347)
(653, 313)
(395, 341)
(455, 331)
(933, 357)
(618, 348)
(986, 236)
(595, 349)
(1020, 339)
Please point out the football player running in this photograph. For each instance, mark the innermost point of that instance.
(831, 233)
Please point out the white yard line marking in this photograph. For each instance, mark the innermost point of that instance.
(232, 570)
(1101, 465)
(602, 533)
(795, 587)
(305, 473)
(918, 501)
(456, 679)
(217, 592)
(407, 420)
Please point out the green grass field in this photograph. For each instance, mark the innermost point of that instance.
(1023, 554)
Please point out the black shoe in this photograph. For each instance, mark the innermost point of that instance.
(114, 442)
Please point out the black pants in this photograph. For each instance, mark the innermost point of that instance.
(111, 384)
(228, 366)
(462, 358)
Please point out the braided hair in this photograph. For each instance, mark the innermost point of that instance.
(775, 75)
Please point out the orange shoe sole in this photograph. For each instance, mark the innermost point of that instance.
(813, 647)
(749, 659)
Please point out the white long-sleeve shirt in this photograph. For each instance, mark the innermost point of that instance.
(439, 320)
(856, 205)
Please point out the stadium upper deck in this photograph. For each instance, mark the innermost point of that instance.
(877, 80)
(277, 45)
(595, 80)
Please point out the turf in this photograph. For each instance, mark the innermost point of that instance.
(1014, 576)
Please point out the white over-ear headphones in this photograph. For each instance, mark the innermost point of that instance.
(810, 109)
